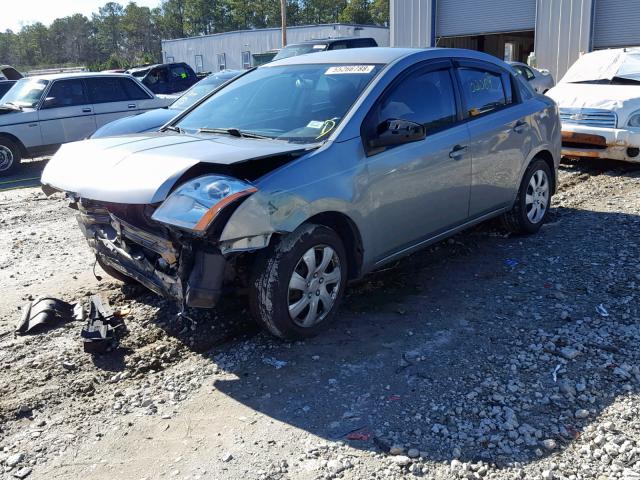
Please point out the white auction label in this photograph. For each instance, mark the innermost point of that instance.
(349, 69)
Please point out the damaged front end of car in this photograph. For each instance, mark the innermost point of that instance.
(173, 248)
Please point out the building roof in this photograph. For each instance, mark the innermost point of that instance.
(296, 27)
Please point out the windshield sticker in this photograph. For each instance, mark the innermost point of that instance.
(319, 47)
(326, 128)
(349, 69)
(315, 124)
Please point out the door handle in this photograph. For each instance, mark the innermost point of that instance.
(86, 110)
(458, 152)
(131, 105)
(520, 126)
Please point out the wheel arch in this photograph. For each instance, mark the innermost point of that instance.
(348, 231)
(16, 140)
(548, 159)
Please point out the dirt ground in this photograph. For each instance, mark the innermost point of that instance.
(485, 356)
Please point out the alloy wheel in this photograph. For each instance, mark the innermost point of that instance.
(537, 196)
(6, 158)
(314, 286)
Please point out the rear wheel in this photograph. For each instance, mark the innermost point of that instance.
(9, 156)
(298, 283)
(534, 199)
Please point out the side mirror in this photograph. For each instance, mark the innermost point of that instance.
(397, 132)
(50, 102)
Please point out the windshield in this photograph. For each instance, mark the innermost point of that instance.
(296, 103)
(199, 90)
(25, 93)
(301, 49)
(140, 73)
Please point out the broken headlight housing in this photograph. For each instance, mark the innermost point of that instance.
(195, 204)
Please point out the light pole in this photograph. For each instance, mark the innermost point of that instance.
(283, 16)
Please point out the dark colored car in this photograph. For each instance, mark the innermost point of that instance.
(5, 85)
(165, 78)
(154, 119)
(322, 45)
(7, 72)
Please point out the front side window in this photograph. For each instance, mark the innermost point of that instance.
(427, 98)
(483, 91)
(222, 61)
(66, 93)
(105, 90)
(158, 76)
(26, 93)
(296, 103)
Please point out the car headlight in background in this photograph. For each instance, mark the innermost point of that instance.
(195, 204)
(634, 119)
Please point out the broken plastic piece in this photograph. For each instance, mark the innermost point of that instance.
(602, 311)
(44, 313)
(99, 334)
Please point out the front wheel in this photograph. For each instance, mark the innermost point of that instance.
(298, 282)
(9, 156)
(533, 201)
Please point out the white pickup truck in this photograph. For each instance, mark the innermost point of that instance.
(599, 100)
(39, 114)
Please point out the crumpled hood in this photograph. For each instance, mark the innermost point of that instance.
(623, 99)
(141, 169)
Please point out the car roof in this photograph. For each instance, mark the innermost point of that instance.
(380, 55)
(327, 40)
(59, 76)
(148, 67)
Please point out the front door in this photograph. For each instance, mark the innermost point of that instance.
(66, 114)
(420, 189)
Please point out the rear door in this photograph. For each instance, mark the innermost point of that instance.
(110, 99)
(137, 95)
(499, 127)
(66, 115)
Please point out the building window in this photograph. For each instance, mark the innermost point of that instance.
(199, 64)
(169, 59)
(246, 60)
(222, 61)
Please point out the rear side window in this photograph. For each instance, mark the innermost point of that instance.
(178, 72)
(105, 90)
(67, 93)
(484, 91)
(423, 97)
(133, 90)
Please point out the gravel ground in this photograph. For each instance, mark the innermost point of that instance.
(485, 356)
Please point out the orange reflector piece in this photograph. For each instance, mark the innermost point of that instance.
(213, 212)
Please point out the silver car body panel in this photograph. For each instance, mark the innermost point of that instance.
(398, 200)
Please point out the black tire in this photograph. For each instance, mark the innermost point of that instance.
(517, 220)
(10, 156)
(270, 297)
(112, 272)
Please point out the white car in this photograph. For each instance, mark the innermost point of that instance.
(39, 114)
(599, 100)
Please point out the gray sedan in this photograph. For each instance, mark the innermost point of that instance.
(309, 172)
(540, 80)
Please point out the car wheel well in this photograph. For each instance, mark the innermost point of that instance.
(16, 140)
(350, 235)
(548, 159)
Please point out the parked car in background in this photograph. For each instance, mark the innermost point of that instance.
(167, 78)
(39, 114)
(599, 99)
(5, 85)
(323, 44)
(311, 171)
(540, 80)
(9, 73)
(154, 119)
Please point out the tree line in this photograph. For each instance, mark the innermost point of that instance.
(118, 36)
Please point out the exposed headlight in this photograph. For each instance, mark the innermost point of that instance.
(195, 204)
(634, 119)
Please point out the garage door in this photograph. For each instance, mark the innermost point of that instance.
(617, 23)
(477, 17)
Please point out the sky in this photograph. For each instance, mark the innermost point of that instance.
(16, 13)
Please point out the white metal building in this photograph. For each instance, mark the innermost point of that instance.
(234, 50)
(558, 31)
